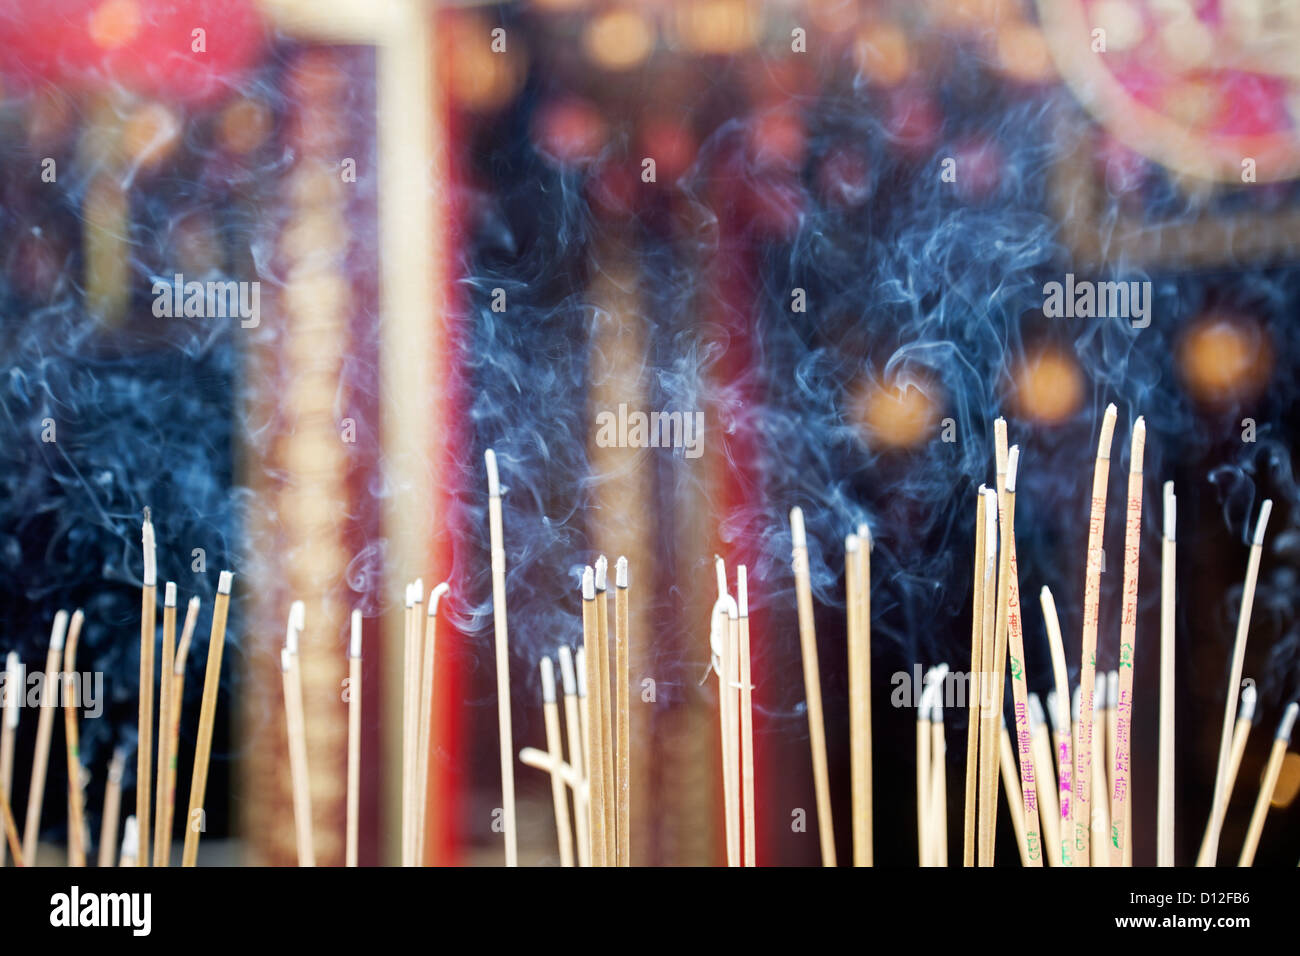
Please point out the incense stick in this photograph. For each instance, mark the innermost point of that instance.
(174, 727)
(1238, 659)
(750, 848)
(573, 729)
(1165, 780)
(165, 663)
(551, 716)
(998, 661)
(1269, 784)
(11, 830)
(1049, 809)
(1099, 829)
(130, 843)
(1016, 650)
(499, 617)
(426, 718)
(13, 695)
(207, 718)
(1058, 708)
(724, 643)
(1081, 792)
(297, 734)
(1219, 809)
(812, 684)
(859, 699)
(354, 741)
(148, 633)
(44, 730)
(595, 758)
(1121, 762)
(973, 685)
(990, 720)
(72, 740)
(923, 770)
(411, 719)
(112, 809)
(1011, 783)
(938, 774)
(623, 742)
(601, 569)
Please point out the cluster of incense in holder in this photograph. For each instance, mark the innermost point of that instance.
(155, 799)
(1068, 783)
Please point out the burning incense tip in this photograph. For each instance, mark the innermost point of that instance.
(436, 596)
(620, 572)
(1171, 511)
(990, 528)
(417, 590)
(1262, 523)
(410, 595)
(225, 582)
(494, 479)
(864, 535)
(851, 543)
(1013, 463)
(742, 590)
(285, 657)
(297, 621)
(797, 533)
(187, 634)
(602, 573)
(150, 552)
(588, 584)
(720, 569)
(117, 766)
(354, 646)
(1107, 431)
(60, 631)
(169, 594)
(581, 667)
(1138, 446)
(548, 681)
(1247, 709)
(566, 672)
(1287, 725)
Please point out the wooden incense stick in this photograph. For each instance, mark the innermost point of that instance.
(812, 684)
(1274, 769)
(1081, 792)
(1099, 831)
(749, 846)
(194, 820)
(595, 758)
(1016, 650)
(924, 768)
(130, 843)
(72, 740)
(174, 726)
(623, 723)
(165, 663)
(296, 724)
(499, 617)
(11, 830)
(1011, 783)
(859, 654)
(426, 719)
(1121, 761)
(543, 761)
(1238, 659)
(44, 731)
(601, 569)
(1058, 709)
(411, 723)
(998, 662)
(990, 720)
(1219, 809)
(148, 633)
(724, 645)
(13, 698)
(938, 775)
(354, 741)
(1049, 811)
(112, 809)
(551, 718)
(973, 684)
(573, 730)
(1168, 679)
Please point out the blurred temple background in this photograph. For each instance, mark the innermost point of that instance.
(826, 225)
